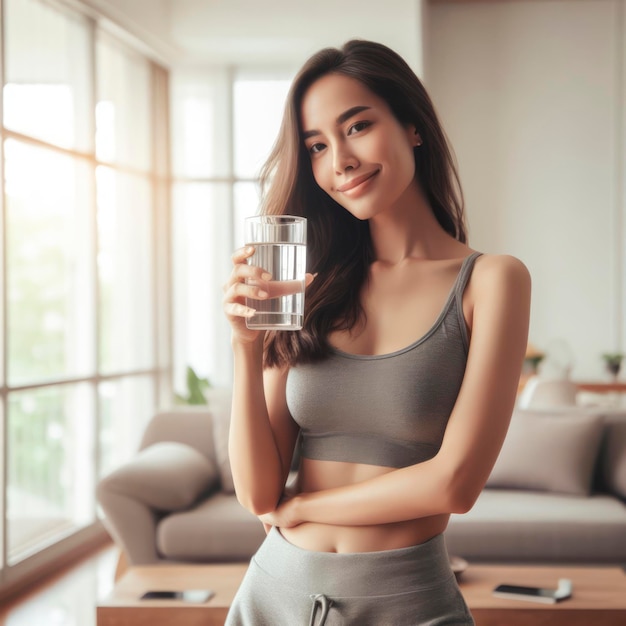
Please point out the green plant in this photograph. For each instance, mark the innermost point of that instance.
(613, 362)
(613, 358)
(196, 387)
(533, 361)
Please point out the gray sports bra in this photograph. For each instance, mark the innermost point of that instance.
(390, 409)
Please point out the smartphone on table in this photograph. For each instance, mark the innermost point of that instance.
(194, 596)
(536, 594)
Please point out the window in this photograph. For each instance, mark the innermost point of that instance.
(85, 203)
(50, 248)
(90, 242)
(224, 124)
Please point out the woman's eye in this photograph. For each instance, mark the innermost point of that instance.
(359, 126)
(316, 147)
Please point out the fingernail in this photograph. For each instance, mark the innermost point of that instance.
(263, 294)
(250, 312)
(249, 249)
(266, 275)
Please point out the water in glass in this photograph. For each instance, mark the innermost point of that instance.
(285, 262)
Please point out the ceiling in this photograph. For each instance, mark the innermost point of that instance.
(253, 32)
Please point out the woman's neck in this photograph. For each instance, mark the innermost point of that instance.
(411, 230)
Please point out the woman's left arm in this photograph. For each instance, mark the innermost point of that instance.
(452, 480)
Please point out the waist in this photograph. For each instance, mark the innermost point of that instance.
(421, 565)
(361, 539)
(319, 475)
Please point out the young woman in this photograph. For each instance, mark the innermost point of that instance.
(403, 380)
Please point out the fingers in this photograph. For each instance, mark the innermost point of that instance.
(278, 288)
(246, 281)
(243, 271)
(234, 299)
(290, 287)
(236, 309)
(253, 282)
(259, 290)
(240, 255)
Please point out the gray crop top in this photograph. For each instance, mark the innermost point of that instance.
(390, 409)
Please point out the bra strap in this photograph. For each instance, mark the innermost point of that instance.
(459, 288)
(465, 273)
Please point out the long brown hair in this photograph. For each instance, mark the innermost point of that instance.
(339, 246)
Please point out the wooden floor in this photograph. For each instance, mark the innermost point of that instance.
(69, 599)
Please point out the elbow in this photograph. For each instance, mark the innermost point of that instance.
(256, 504)
(461, 500)
(462, 492)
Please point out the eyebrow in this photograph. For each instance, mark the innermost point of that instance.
(343, 117)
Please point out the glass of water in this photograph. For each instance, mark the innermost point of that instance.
(280, 249)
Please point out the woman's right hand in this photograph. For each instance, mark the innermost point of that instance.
(245, 281)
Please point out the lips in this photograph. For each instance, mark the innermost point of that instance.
(355, 182)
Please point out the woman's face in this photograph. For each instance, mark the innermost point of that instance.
(361, 156)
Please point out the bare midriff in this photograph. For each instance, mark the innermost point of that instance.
(315, 475)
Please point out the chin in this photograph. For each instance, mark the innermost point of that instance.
(360, 215)
(363, 210)
(366, 213)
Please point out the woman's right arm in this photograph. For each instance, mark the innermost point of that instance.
(262, 432)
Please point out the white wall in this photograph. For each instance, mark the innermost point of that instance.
(250, 32)
(532, 97)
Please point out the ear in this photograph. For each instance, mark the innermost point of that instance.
(414, 136)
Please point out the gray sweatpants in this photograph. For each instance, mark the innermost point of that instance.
(289, 586)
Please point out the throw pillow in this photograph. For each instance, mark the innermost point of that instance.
(166, 476)
(220, 401)
(549, 451)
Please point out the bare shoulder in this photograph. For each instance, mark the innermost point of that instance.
(500, 271)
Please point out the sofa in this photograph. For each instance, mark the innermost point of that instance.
(557, 492)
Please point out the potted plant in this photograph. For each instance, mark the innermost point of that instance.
(532, 359)
(196, 388)
(613, 362)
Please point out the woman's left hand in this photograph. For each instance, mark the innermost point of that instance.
(285, 515)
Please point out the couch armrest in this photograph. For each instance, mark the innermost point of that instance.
(166, 476)
(131, 524)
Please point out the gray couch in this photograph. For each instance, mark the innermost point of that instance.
(557, 493)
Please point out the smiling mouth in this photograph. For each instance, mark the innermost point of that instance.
(355, 182)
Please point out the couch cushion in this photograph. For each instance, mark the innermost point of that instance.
(220, 401)
(549, 451)
(219, 529)
(166, 476)
(513, 525)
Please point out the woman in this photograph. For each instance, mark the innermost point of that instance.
(403, 380)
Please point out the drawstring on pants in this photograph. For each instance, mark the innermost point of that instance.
(324, 603)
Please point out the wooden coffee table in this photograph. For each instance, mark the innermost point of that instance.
(599, 596)
(124, 608)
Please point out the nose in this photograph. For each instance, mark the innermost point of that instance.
(344, 159)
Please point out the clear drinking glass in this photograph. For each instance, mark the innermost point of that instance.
(280, 249)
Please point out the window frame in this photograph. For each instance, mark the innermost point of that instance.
(19, 575)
